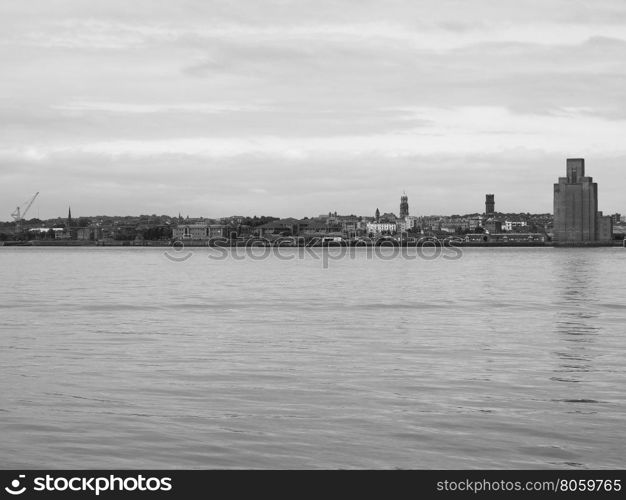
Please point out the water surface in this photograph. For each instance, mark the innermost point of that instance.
(120, 358)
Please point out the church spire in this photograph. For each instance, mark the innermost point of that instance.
(68, 223)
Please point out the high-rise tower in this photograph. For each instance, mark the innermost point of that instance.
(576, 217)
(404, 206)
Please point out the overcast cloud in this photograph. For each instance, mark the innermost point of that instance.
(295, 108)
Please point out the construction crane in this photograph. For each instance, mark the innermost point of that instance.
(18, 215)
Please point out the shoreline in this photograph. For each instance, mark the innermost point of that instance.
(430, 241)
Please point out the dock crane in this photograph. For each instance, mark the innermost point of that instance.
(18, 215)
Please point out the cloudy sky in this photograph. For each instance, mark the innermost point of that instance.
(214, 108)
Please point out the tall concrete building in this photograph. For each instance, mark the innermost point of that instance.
(490, 205)
(404, 206)
(576, 217)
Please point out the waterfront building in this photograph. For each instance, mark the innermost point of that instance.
(493, 226)
(243, 230)
(490, 205)
(218, 231)
(59, 233)
(429, 223)
(316, 228)
(475, 222)
(381, 227)
(409, 223)
(404, 206)
(89, 233)
(446, 227)
(512, 225)
(413, 221)
(453, 224)
(577, 220)
(191, 232)
(199, 231)
(504, 239)
(286, 227)
(350, 225)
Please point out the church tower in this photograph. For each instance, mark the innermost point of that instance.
(490, 205)
(404, 206)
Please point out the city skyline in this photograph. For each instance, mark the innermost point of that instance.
(211, 108)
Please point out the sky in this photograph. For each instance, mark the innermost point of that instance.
(297, 108)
